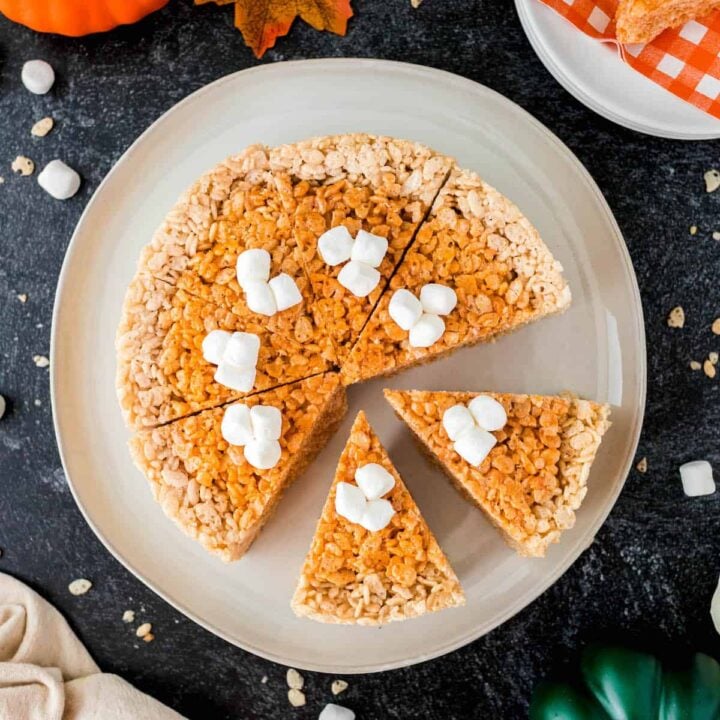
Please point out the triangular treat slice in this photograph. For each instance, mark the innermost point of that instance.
(378, 184)
(639, 21)
(479, 244)
(162, 374)
(353, 575)
(208, 487)
(534, 479)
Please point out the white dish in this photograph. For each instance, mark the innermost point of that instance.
(592, 72)
(596, 349)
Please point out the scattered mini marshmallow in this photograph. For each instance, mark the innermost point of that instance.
(404, 308)
(488, 413)
(474, 445)
(368, 248)
(715, 608)
(426, 331)
(336, 712)
(377, 515)
(438, 299)
(3, 406)
(260, 298)
(712, 180)
(214, 344)
(350, 502)
(697, 478)
(263, 454)
(335, 245)
(338, 686)
(456, 420)
(241, 350)
(357, 277)
(236, 426)
(23, 165)
(374, 480)
(42, 127)
(241, 379)
(294, 679)
(41, 361)
(285, 290)
(266, 422)
(59, 180)
(37, 76)
(79, 586)
(128, 616)
(253, 266)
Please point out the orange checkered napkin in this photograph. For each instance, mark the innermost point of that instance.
(685, 61)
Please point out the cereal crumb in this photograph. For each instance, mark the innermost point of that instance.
(42, 127)
(712, 180)
(148, 637)
(709, 368)
(264, 679)
(715, 327)
(41, 361)
(79, 586)
(296, 697)
(23, 165)
(128, 616)
(338, 686)
(676, 318)
(716, 235)
(642, 466)
(143, 630)
(2, 179)
(693, 229)
(415, 3)
(3, 405)
(695, 365)
(713, 358)
(22, 297)
(294, 679)
(37, 402)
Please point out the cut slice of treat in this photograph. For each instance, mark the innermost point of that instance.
(496, 275)
(163, 372)
(349, 184)
(209, 486)
(393, 571)
(640, 21)
(533, 477)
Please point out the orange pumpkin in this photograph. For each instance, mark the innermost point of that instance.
(77, 17)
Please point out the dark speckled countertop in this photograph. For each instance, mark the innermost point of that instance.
(650, 572)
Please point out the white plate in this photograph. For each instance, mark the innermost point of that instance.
(596, 349)
(592, 72)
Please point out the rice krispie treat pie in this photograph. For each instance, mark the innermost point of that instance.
(380, 185)
(209, 486)
(382, 565)
(496, 275)
(162, 374)
(522, 459)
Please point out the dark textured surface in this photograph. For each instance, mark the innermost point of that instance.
(654, 564)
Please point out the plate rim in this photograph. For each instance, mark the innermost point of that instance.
(637, 420)
(521, 7)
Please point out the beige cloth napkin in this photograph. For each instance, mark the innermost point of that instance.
(47, 674)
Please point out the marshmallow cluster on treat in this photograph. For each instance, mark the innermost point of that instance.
(257, 430)
(470, 427)
(362, 256)
(265, 295)
(236, 355)
(363, 503)
(422, 317)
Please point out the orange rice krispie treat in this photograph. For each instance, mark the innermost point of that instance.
(162, 373)
(640, 21)
(380, 185)
(386, 564)
(492, 263)
(208, 485)
(534, 475)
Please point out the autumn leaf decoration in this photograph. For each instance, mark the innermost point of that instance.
(261, 22)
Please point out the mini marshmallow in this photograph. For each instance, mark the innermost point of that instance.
(474, 445)
(252, 266)
(350, 502)
(335, 245)
(360, 279)
(285, 291)
(426, 331)
(259, 297)
(263, 454)
(241, 379)
(438, 299)
(236, 426)
(368, 248)
(489, 414)
(374, 480)
(241, 350)
(214, 344)
(336, 712)
(697, 478)
(456, 420)
(266, 422)
(404, 308)
(59, 180)
(37, 76)
(377, 515)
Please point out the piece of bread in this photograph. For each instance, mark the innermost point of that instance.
(640, 21)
